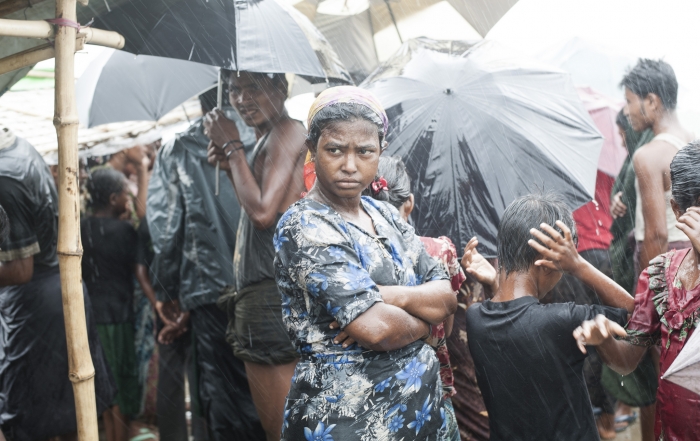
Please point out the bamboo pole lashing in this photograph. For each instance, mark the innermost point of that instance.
(33, 56)
(43, 30)
(80, 367)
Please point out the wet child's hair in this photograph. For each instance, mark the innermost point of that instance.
(685, 176)
(102, 184)
(524, 213)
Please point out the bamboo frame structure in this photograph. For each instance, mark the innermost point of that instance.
(33, 56)
(70, 250)
(44, 30)
(81, 371)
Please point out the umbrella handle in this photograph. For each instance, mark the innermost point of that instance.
(216, 178)
(219, 102)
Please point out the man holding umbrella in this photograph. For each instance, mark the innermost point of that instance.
(266, 184)
(193, 241)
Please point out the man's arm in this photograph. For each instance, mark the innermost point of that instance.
(649, 170)
(284, 148)
(16, 272)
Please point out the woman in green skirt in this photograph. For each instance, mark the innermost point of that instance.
(109, 261)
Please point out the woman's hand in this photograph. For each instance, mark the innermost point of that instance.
(595, 332)
(617, 208)
(220, 129)
(559, 252)
(689, 223)
(477, 266)
(342, 337)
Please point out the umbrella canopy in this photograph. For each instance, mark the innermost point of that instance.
(598, 40)
(119, 86)
(243, 35)
(478, 127)
(685, 369)
(603, 111)
(366, 32)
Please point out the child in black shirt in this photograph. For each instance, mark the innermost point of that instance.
(109, 259)
(528, 366)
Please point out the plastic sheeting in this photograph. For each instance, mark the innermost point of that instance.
(685, 369)
(244, 35)
(478, 127)
(119, 86)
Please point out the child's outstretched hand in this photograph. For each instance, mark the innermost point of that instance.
(475, 264)
(559, 251)
(689, 223)
(595, 332)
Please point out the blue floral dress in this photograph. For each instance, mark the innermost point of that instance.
(328, 269)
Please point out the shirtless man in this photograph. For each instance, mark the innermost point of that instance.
(266, 186)
(651, 91)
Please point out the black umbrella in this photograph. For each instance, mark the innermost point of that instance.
(243, 35)
(478, 127)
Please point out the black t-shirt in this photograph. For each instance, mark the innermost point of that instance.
(529, 368)
(109, 256)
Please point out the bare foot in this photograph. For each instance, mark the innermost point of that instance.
(606, 425)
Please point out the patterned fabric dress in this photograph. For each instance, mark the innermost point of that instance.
(442, 249)
(667, 314)
(328, 269)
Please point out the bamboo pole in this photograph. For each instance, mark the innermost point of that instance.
(43, 30)
(32, 56)
(70, 250)
(25, 28)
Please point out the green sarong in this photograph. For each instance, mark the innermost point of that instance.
(118, 344)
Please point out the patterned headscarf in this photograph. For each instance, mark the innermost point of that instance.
(348, 94)
(340, 94)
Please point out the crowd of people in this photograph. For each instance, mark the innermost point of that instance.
(299, 303)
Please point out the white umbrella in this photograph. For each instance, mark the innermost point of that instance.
(118, 86)
(685, 369)
(611, 28)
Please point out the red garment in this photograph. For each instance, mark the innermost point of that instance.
(444, 251)
(593, 220)
(666, 314)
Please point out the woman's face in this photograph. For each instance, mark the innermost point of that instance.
(347, 157)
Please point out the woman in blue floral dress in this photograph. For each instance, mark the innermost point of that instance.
(359, 292)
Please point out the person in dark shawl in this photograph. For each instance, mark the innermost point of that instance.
(36, 395)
